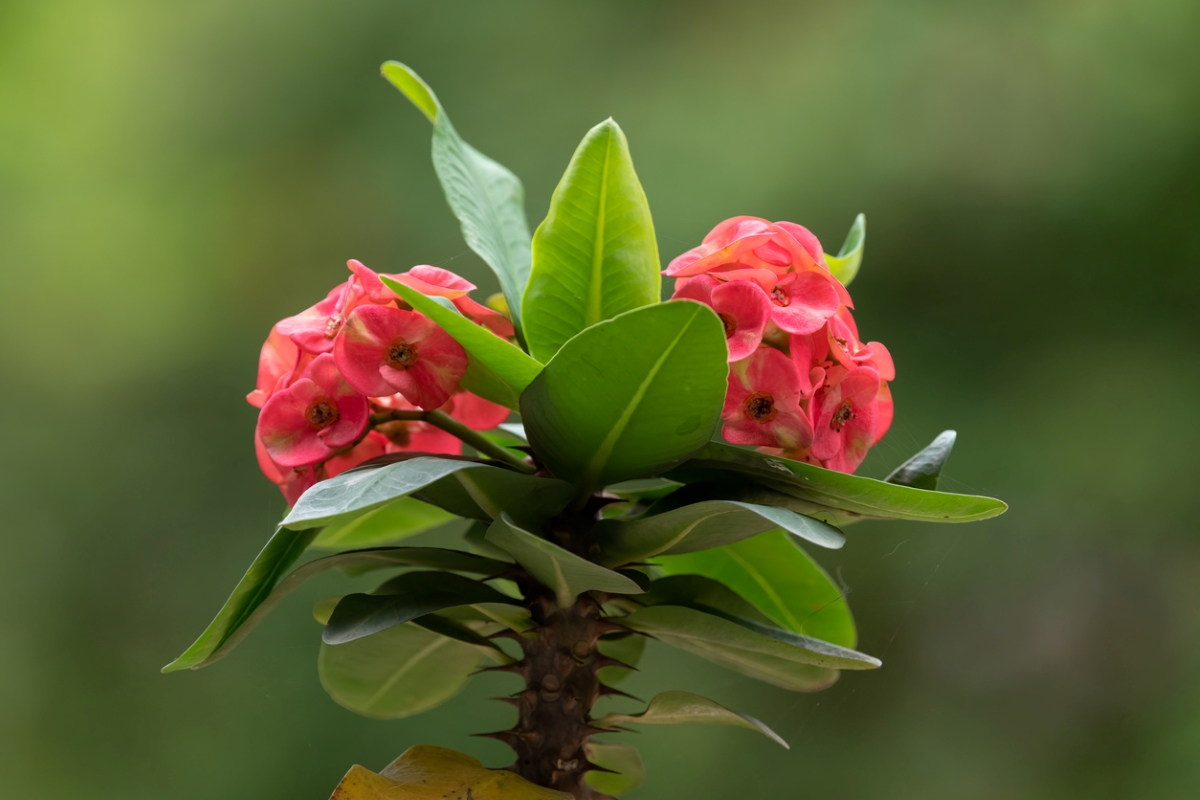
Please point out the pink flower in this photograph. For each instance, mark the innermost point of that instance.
(313, 418)
(783, 258)
(809, 354)
(475, 412)
(315, 328)
(435, 281)
(384, 350)
(743, 307)
(494, 321)
(415, 436)
(279, 362)
(373, 445)
(292, 482)
(846, 423)
(762, 404)
(850, 352)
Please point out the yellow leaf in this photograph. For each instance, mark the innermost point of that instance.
(435, 773)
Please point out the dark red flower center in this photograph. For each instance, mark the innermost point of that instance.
(779, 297)
(844, 413)
(321, 413)
(730, 324)
(759, 407)
(401, 354)
(842, 344)
(333, 325)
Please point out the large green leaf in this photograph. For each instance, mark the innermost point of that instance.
(627, 648)
(845, 264)
(563, 571)
(403, 599)
(496, 370)
(780, 579)
(398, 672)
(675, 708)
(778, 657)
(630, 395)
(923, 470)
(856, 497)
(488, 200)
(388, 523)
(463, 487)
(447, 625)
(624, 762)
(703, 594)
(234, 629)
(255, 586)
(676, 526)
(594, 256)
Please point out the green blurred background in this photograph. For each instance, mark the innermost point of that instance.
(175, 176)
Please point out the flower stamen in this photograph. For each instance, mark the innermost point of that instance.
(759, 407)
(321, 414)
(401, 355)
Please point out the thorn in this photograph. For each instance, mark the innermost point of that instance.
(516, 668)
(508, 633)
(609, 691)
(605, 627)
(508, 701)
(590, 767)
(608, 661)
(509, 737)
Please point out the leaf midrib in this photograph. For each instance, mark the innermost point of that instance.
(592, 315)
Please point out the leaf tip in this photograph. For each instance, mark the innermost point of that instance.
(412, 86)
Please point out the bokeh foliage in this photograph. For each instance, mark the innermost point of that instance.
(175, 177)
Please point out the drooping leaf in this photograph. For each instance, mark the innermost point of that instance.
(435, 773)
(403, 599)
(455, 629)
(784, 659)
(643, 489)
(280, 552)
(629, 396)
(703, 594)
(778, 578)
(396, 673)
(488, 200)
(678, 525)
(628, 771)
(851, 497)
(923, 470)
(356, 562)
(675, 708)
(627, 649)
(845, 264)
(496, 370)
(563, 571)
(463, 487)
(594, 256)
(388, 523)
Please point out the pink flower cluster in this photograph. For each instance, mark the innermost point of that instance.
(329, 377)
(801, 381)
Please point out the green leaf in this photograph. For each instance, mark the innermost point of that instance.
(675, 526)
(488, 200)
(674, 708)
(563, 571)
(778, 578)
(463, 487)
(401, 600)
(629, 396)
(923, 470)
(396, 673)
(454, 629)
(783, 659)
(357, 562)
(594, 256)
(703, 594)
(643, 489)
(396, 520)
(628, 771)
(856, 497)
(280, 552)
(496, 370)
(845, 264)
(626, 648)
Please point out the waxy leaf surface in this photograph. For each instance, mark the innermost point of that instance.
(255, 586)
(676, 708)
(630, 395)
(435, 773)
(496, 370)
(396, 673)
(463, 487)
(594, 256)
(401, 600)
(845, 264)
(923, 470)
(778, 578)
(857, 496)
(488, 200)
(700, 526)
(628, 771)
(388, 523)
(563, 571)
(784, 659)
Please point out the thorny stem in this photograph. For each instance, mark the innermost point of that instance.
(450, 425)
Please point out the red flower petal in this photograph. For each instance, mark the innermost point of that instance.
(745, 309)
(317, 415)
(804, 302)
(475, 412)
(435, 281)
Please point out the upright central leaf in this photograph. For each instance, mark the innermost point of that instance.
(594, 256)
(629, 396)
